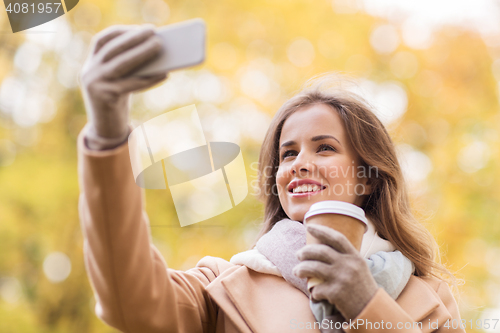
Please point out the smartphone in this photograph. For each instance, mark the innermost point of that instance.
(183, 46)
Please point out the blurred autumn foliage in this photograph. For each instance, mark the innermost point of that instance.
(438, 95)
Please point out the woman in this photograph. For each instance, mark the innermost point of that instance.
(313, 134)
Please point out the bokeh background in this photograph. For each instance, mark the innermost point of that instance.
(431, 69)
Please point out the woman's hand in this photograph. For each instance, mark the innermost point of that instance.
(348, 283)
(106, 83)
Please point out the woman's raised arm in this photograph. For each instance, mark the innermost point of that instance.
(134, 289)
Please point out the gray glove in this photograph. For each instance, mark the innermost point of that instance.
(106, 85)
(348, 283)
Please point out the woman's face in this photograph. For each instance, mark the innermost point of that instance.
(317, 162)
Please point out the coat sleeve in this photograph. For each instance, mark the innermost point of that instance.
(135, 291)
(383, 313)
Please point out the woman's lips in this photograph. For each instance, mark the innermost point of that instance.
(305, 194)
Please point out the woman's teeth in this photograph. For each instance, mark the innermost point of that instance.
(306, 188)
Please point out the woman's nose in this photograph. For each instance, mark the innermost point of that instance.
(302, 165)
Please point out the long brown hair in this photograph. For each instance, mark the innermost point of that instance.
(388, 205)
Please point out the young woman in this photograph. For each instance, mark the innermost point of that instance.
(313, 143)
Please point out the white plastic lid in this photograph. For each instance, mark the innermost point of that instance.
(337, 207)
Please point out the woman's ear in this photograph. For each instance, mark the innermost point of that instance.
(367, 187)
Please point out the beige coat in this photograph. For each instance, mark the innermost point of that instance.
(137, 292)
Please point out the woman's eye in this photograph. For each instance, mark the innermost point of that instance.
(326, 147)
(287, 153)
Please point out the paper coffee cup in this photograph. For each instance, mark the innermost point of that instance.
(346, 218)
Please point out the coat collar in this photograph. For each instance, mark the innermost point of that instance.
(262, 303)
(417, 299)
(422, 303)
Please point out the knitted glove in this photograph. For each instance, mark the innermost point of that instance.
(348, 283)
(106, 85)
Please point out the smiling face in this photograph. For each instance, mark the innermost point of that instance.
(317, 162)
